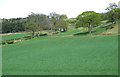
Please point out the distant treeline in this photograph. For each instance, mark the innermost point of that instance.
(13, 25)
(53, 21)
(38, 22)
(46, 22)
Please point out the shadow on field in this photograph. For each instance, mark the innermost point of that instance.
(84, 33)
(107, 26)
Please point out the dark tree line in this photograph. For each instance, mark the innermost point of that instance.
(13, 25)
(39, 22)
(35, 23)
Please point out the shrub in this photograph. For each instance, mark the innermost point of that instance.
(106, 28)
(10, 41)
(26, 39)
(17, 38)
(3, 42)
(111, 27)
(43, 34)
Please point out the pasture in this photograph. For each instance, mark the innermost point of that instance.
(54, 44)
(13, 36)
(75, 55)
(74, 52)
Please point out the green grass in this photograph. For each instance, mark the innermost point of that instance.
(101, 29)
(112, 31)
(70, 55)
(70, 31)
(86, 55)
(13, 36)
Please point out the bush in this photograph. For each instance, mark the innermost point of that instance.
(43, 34)
(17, 38)
(3, 42)
(106, 28)
(111, 27)
(10, 41)
(26, 39)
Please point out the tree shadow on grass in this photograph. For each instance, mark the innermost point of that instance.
(107, 26)
(83, 33)
(96, 31)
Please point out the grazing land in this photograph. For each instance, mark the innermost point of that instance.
(13, 36)
(57, 45)
(79, 55)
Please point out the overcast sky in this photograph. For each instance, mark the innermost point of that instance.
(21, 8)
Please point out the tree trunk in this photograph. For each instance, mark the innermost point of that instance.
(40, 33)
(37, 34)
(89, 29)
(33, 34)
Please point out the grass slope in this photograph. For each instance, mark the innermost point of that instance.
(101, 29)
(13, 36)
(70, 31)
(112, 31)
(62, 55)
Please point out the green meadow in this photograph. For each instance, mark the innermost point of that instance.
(52, 44)
(75, 55)
(13, 36)
(73, 52)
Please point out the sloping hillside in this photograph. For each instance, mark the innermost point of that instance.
(112, 31)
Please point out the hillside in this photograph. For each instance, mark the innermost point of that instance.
(103, 29)
(111, 31)
(73, 52)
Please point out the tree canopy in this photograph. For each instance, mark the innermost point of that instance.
(113, 12)
(31, 26)
(54, 21)
(88, 19)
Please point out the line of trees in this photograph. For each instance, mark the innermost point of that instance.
(90, 18)
(39, 22)
(113, 13)
(35, 23)
(13, 25)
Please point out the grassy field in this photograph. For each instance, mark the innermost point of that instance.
(19, 35)
(13, 36)
(76, 55)
(63, 54)
(101, 29)
(112, 31)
